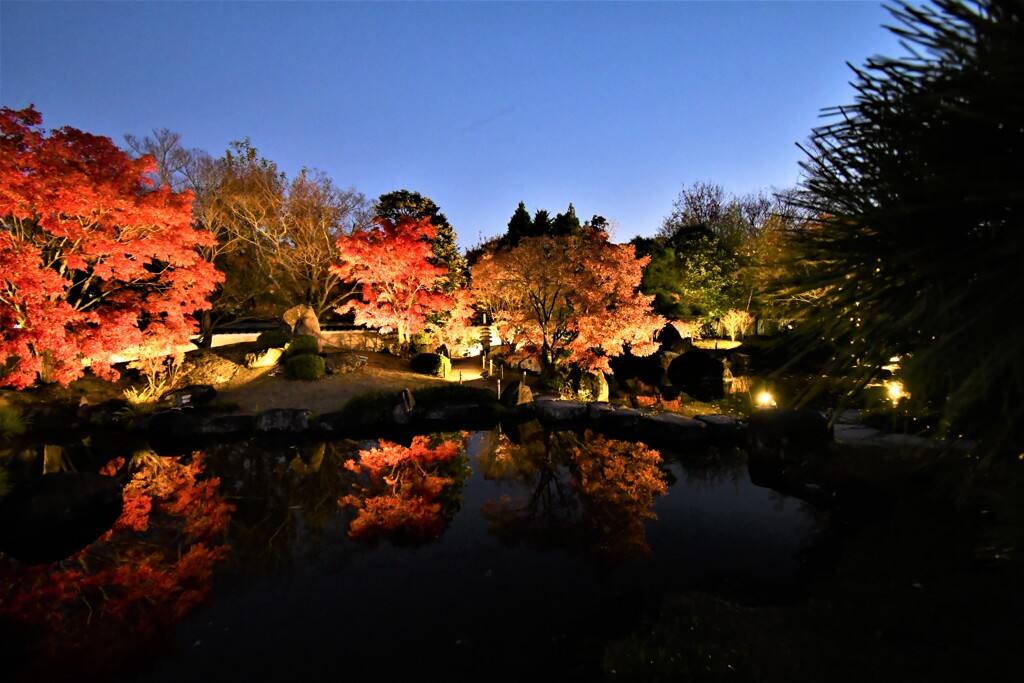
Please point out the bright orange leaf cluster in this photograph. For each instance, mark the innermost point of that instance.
(391, 263)
(573, 299)
(93, 262)
(398, 495)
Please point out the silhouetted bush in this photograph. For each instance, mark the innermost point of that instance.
(431, 364)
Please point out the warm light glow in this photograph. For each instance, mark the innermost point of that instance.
(895, 391)
(765, 400)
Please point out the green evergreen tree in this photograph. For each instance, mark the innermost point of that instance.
(565, 223)
(402, 203)
(541, 223)
(519, 226)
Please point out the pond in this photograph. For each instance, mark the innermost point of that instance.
(493, 555)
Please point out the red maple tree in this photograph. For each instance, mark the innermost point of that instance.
(95, 264)
(390, 261)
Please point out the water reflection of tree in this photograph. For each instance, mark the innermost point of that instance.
(586, 491)
(407, 494)
(285, 497)
(105, 608)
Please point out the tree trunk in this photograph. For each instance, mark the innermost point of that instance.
(206, 330)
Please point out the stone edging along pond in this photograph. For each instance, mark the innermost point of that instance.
(770, 433)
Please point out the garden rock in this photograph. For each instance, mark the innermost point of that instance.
(400, 409)
(193, 394)
(670, 428)
(672, 341)
(515, 394)
(554, 410)
(267, 358)
(302, 320)
(283, 420)
(338, 363)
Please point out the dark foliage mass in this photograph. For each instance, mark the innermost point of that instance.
(918, 190)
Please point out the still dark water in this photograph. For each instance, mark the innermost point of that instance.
(468, 556)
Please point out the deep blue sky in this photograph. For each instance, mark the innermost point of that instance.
(478, 105)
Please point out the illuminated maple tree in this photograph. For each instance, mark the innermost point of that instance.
(94, 262)
(400, 493)
(391, 263)
(572, 299)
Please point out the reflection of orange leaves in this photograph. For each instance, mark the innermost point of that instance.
(618, 481)
(149, 570)
(413, 516)
(135, 513)
(400, 497)
(111, 468)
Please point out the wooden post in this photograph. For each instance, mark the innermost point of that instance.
(499, 388)
(460, 376)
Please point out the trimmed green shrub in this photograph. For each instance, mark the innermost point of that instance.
(431, 364)
(306, 367)
(272, 339)
(301, 346)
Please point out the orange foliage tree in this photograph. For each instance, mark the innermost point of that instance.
(400, 490)
(572, 299)
(94, 263)
(391, 263)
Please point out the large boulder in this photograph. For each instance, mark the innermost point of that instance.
(699, 374)
(516, 393)
(301, 320)
(588, 386)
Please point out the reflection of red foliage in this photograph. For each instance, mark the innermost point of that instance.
(400, 492)
(98, 608)
(618, 481)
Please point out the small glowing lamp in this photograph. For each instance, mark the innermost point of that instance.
(765, 400)
(895, 390)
